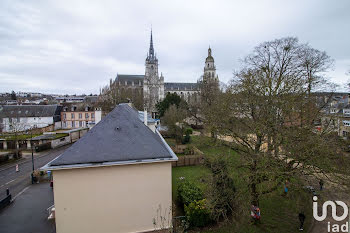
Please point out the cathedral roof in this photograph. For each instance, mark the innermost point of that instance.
(181, 86)
(129, 77)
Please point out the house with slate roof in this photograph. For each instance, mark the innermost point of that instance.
(23, 117)
(114, 179)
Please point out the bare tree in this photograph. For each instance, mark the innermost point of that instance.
(114, 94)
(266, 116)
(209, 103)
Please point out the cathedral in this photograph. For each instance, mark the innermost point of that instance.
(153, 85)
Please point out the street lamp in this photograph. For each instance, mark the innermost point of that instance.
(31, 146)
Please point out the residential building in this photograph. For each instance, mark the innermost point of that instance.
(114, 179)
(80, 118)
(23, 117)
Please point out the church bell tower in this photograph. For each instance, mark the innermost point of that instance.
(153, 86)
(209, 68)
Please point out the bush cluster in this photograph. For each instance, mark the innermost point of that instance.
(191, 197)
(189, 131)
(197, 213)
(189, 150)
(188, 192)
(187, 138)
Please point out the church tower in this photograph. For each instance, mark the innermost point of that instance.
(209, 68)
(153, 85)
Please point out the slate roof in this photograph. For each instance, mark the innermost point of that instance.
(91, 99)
(120, 136)
(29, 111)
(129, 77)
(181, 86)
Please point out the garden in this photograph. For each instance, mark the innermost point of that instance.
(214, 196)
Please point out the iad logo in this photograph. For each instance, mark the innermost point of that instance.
(333, 227)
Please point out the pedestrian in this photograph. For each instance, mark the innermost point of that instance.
(321, 184)
(255, 213)
(286, 187)
(301, 219)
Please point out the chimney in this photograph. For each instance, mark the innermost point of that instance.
(145, 118)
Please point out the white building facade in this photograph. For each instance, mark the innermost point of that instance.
(16, 118)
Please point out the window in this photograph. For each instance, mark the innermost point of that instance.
(92, 115)
(64, 116)
(73, 124)
(86, 115)
(80, 124)
(346, 123)
(80, 115)
(72, 115)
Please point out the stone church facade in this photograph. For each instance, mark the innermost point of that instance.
(153, 86)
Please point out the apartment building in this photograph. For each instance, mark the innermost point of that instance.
(77, 118)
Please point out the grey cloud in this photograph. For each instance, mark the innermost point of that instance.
(77, 46)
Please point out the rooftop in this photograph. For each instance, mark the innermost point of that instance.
(130, 77)
(180, 86)
(120, 137)
(29, 110)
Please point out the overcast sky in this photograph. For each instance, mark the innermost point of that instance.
(69, 46)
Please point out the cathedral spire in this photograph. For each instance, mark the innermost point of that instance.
(151, 49)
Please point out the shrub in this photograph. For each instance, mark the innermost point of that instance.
(197, 213)
(188, 131)
(189, 150)
(188, 192)
(186, 139)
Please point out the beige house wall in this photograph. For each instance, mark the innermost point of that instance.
(122, 198)
(68, 116)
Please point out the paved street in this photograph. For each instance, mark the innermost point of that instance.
(28, 213)
(17, 181)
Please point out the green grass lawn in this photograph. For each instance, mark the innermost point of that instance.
(196, 174)
(279, 213)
